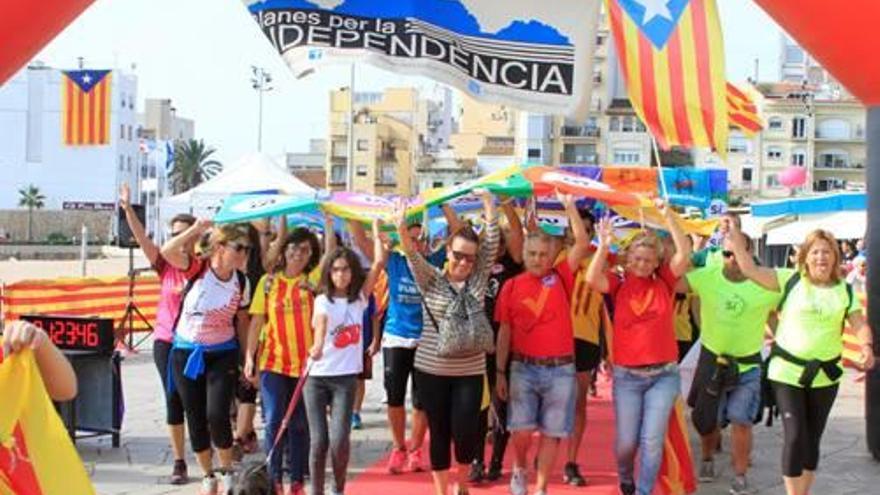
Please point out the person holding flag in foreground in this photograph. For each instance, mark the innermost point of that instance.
(644, 351)
(805, 360)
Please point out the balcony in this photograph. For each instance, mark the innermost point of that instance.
(829, 163)
(573, 159)
(857, 136)
(580, 131)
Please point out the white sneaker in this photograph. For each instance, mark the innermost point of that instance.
(519, 482)
(228, 481)
(209, 486)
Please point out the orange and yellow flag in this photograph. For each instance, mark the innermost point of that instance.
(742, 112)
(85, 107)
(672, 57)
(36, 454)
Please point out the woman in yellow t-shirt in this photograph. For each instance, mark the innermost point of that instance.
(804, 368)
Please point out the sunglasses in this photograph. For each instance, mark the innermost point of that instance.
(459, 257)
(238, 247)
(727, 254)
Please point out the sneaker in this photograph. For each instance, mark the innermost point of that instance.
(178, 473)
(572, 475)
(228, 482)
(209, 485)
(494, 472)
(415, 463)
(739, 486)
(396, 461)
(356, 422)
(518, 482)
(707, 471)
(627, 489)
(476, 474)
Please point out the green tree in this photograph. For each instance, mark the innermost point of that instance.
(192, 165)
(31, 198)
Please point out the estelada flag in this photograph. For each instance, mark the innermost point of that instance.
(676, 475)
(639, 180)
(672, 59)
(742, 112)
(85, 107)
(36, 454)
(546, 179)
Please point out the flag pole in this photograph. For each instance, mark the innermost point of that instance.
(656, 150)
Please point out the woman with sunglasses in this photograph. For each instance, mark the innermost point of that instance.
(645, 353)
(279, 339)
(210, 330)
(174, 262)
(451, 388)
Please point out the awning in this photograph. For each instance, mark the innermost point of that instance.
(843, 224)
(812, 205)
(756, 227)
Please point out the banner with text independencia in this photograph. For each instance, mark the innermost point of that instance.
(528, 54)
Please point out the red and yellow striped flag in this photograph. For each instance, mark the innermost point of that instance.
(672, 58)
(742, 112)
(85, 107)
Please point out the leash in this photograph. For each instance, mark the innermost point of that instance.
(291, 406)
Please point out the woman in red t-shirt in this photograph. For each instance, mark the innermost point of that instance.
(644, 351)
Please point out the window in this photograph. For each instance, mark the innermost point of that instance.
(121, 163)
(337, 174)
(747, 175)
(833, 129)
(122, 100)
(387, 175)
(121, 132)
(363, 145)
(579, 154)
(799, 127)
(437, 183)
(534, 153)
(798, 157)
(794, 54)
(614, 124)
(737, 143)
(640, 127)
(361, 170)
(774, 153)
(626, 156)
(774, 124)
(773, 180)
(128, 164)
(129, 133)
(628, 125)
(600, 40)
(834, 159)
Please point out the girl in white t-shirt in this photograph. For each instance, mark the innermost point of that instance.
(337, 357)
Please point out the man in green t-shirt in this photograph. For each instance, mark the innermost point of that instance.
(733, 315)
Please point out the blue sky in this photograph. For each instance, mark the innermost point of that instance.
(199, 54)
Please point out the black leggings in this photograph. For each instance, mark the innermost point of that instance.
(173, 404)
(804, 413)
(399, 365)
(207, 399)
(452, 403)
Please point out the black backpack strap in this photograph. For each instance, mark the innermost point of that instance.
(789, 286)
(187, 288)
(849, 301)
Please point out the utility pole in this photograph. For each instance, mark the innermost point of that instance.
(261, 81)
(350, 163)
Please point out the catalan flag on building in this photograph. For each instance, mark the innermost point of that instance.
(671, 54)
(742, 112)
(85, 107)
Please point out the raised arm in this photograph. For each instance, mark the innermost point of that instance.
(488, 245)
(378, 262)
(150, 249)
(423, 272)
(173, 251)
(763, 276)
(453, 221)
(581, 246)
(273, 251)
(681, 260)
(596, 271)
(359, 236)
(515, 237)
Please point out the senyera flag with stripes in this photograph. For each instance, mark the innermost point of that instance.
(742, 111)
(85, 107)
(672, 58)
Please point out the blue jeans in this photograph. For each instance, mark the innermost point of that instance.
(542, 398)
(276, 391)
(642, 404)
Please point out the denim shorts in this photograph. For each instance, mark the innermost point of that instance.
(741, 405)
(542, 398)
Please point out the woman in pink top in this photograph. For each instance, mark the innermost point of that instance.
(172, 281)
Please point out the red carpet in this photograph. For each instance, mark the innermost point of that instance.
(596, 459)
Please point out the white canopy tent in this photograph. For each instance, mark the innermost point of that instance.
(843, 224)
(251, 173)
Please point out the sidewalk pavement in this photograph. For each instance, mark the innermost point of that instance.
(142, 464)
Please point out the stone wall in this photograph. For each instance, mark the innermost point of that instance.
(68, 222)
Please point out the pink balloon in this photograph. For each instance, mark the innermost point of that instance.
(793, 177)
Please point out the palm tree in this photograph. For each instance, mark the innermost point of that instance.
(191, 165)
(32, 198)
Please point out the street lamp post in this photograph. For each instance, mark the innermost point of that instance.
(261, 81)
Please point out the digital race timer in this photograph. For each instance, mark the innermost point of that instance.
(75, 333)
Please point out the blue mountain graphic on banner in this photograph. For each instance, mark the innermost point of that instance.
(449, 14)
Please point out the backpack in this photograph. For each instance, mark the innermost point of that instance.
(793, 281)
(242, 283)
(465, 329)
